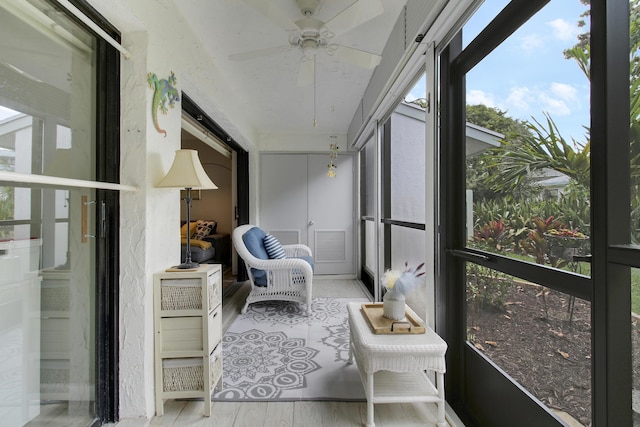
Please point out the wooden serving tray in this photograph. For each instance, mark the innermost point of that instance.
(381, 325)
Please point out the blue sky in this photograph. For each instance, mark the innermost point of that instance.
(528, 74)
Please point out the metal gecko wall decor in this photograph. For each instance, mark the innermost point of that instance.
(164, 92)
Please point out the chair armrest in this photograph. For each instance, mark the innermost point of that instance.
(281, 264)
(296, 250)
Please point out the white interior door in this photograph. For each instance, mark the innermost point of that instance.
(283, 197)
(330, 214)
(299, 203)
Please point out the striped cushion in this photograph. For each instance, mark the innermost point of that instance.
(273, 247)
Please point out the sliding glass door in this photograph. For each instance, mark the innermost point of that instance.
(54, 221)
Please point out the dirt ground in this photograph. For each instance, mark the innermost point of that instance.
(546, 351)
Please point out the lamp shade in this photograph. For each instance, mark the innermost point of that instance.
(187, 172)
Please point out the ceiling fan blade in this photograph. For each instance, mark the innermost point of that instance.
(274, 13)
(356, 56)
(244, 56)
(356, 14)
(306, 71)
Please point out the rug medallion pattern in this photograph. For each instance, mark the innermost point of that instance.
(275, 352)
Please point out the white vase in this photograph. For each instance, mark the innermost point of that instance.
(393, 305)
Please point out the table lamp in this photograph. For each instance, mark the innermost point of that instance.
(187, 172)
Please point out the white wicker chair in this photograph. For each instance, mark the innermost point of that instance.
(288, 279)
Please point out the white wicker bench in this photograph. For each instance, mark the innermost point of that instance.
(397, 365)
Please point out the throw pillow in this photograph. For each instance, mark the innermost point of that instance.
(254, 241)
(203, 229)
(273, 247)
(192, 229)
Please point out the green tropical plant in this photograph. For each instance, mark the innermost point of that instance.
(575, 205)
(536, 246)
(491, 235)
(542, 148)
(486, 287)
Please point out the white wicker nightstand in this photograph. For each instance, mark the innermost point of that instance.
(392, 367)
(188, 326)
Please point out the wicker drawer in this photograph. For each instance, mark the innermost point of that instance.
(181, 294)
(55, 296)
(186, 294)
(182, 374)
(187, 374)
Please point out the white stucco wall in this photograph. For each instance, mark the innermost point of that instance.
(148, 243)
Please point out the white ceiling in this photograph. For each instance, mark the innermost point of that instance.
(267, 85)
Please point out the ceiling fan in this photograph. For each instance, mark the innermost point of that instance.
(312, 36)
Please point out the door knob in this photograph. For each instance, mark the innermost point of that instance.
(311, 222)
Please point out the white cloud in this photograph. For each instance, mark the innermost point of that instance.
(531, 42)
(554, 106)
(559, 99)
(475, 97)
(520, 98)
(563, 30)
(564, 91)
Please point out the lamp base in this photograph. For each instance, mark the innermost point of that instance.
(187, 266)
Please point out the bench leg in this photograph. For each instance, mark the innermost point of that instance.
(370, 422)
(441, 404)
(350, 361)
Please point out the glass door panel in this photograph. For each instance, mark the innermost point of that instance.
(404, 190)
(527, 199)
(408, 248)
(527, 151)
(368, 206)
(539, 337)
(47, 292)
(47, 245)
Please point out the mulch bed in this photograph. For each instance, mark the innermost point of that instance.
(547, 351)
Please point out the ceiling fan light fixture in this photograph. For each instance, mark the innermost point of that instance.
(309, 47)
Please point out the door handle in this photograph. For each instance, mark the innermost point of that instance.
(311, 223)
(83, 219)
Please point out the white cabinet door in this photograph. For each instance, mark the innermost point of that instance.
(299, 203)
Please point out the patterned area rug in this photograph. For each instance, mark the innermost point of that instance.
(274, 352)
